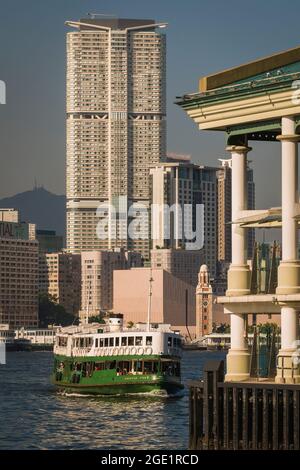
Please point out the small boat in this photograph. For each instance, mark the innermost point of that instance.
(7, 337)
(109, 359)
(194, 346)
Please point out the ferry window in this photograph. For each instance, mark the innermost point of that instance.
(117, 341)
(84, 369)
(148, 340)
(101, 342)
(106, 342)
(111, 342)
(126, 367)
(166, 367)
(155, 367)
(131, 341)
(169, 341)
(62, 341)
(78, 366)
(138, 366)
(81, 343)
(124, 341)
(99, 365)
(96, 343)
(177, 369)
(90, 368)
(148, 367)
(139, 341)
(110, 365)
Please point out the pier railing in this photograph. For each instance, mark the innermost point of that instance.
(245, 415)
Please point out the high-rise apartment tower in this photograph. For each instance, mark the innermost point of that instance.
(116, 128)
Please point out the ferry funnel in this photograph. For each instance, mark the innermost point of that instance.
(115, 321)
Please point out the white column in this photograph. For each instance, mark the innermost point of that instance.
(289, 269)
(238, 357)
(289, 328)
(289, 189)
(238, 201)
(239, 273)
(238, 339)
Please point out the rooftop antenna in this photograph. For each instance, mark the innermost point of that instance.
(88, 302)
(101, 15)
(149, 300)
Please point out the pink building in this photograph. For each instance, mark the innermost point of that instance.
(97, 269)
(130, 297)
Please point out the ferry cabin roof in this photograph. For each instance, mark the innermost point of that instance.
(119, 343)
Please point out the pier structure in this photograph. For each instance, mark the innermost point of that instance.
(258, 101)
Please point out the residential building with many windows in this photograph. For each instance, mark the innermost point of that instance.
(181, 187)
(97, 268)
(116, 128)
(60, 278)
(19, 257)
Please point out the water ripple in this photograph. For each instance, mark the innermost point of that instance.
(35, 416)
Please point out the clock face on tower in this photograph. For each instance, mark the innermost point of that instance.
(205, 303)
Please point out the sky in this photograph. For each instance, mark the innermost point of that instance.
(203, 36)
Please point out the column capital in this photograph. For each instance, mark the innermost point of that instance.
(288, 137)
(238, 148)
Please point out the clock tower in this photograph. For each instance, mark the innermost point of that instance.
(204, 303)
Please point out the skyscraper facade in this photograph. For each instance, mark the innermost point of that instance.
(19, 258)
(116, 128)
(178, 185)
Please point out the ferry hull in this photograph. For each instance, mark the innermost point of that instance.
(121, 389)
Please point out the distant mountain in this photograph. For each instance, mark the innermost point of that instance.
(39, 206)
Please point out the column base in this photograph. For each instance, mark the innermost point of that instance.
(238, 365)
(238, 280)
(288, 277)
(288, 367)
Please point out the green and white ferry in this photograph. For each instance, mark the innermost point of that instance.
(108, 359)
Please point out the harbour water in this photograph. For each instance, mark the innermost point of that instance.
(35, 416)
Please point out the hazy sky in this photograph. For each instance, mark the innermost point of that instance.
(203, 36)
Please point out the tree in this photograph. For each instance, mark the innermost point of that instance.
(265, 328)
(222, 328)
(96, 319)
(51, 313)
